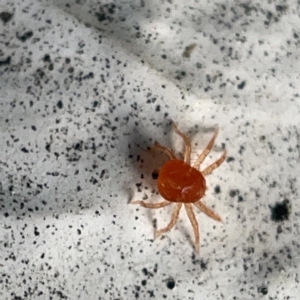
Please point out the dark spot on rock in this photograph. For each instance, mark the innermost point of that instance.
(23, 149)
(47, 58)
(170, 283)
(144, 282)
(6, 16)
(241, 85)
(217, 189)
(230, 159)
(27, 35)
(145, 271)
(60, 104)
(262, 289)
(157, 108)
(5, 61)
(280, 211)
(36, 232)
(188, 50)
(100, 16)
(232, 193)
(155, 174)
(281, 8)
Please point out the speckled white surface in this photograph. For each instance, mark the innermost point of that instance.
(86, 87)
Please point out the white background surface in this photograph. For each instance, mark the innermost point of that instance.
(86, 87)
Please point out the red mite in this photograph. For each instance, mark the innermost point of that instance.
(183, 184)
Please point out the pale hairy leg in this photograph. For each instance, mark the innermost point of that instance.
(187, 142)
(173, 221)
(151, 205)
(213, 166)
(206, 151)
(165, 150)
(191, 215)
(208, 211)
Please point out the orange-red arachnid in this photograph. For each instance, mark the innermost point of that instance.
(181, 183)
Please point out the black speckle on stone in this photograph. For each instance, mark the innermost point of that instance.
(55, 174)
(6, 214)
(203, 264)
(242, 148)
(79, 231)
(5, 16)
(101, 16)
(27, 35)
(232, 193)
(23, 149)
(155, 174)
(164, 56)
(102, 174)
(5, 61)
(188, 50)
(33, 128)
(145, 271)
(36, 232)
(170, 283)
(241, 85)
(230, 159)
(93, 180)
(151, 294)
(157, 108)
(281, 8)
(240, 199)
(280, 211)
(279, 229)
(60, 104)
(144, 282)
(47, 58)
(262, 289)
(217, 189)
(48, 147)
(199, 66)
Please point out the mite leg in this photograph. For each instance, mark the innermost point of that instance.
(208, 211)
(163, 149)
(187, 142)
(173, 221)
(151, 205)
(191, 215)
(213, 166)
(206, 151)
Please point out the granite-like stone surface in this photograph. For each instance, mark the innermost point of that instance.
(86, 87)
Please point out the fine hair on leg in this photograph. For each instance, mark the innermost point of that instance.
(215, 165)
(206, 151)
(193, 220)
(187, 142)
(208, 211)
(165, 150)
(151, 205)
(173, 221)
